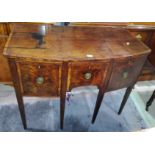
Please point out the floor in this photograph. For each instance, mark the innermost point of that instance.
(140, 95)
(43, 113)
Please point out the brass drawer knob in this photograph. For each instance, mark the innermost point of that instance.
(139, 36)
(125, 75)
(87, 76)
(40, 80)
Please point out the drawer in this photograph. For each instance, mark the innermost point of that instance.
(87, 73)
(125, 72)
(40, 79)
(144, 36)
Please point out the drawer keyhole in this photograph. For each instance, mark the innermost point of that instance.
(40, 80)
(87, 76)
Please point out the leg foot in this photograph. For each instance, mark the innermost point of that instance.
(147, 108)
(22, 110)
(149, 103)
(126, 96)
(62, 109)
(98, 104)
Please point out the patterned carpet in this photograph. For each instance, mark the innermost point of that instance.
(43, 113)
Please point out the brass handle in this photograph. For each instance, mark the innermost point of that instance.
(40, 80)
(139, 36)
(125, 75)
(87, 76)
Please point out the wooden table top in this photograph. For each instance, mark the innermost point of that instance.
(71, 43)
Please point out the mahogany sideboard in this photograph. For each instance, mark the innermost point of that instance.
(50, 60)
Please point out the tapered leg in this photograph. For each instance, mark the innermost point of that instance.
(62, 109)
(98, 104)
(150, 101)
(64, 78)
(126, 96)
(21, 108)
(16, 82)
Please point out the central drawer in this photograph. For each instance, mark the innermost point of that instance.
(87, 73)
(40, 79)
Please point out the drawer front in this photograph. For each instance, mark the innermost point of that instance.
(87, 73)
(40, 79)
(125, 72)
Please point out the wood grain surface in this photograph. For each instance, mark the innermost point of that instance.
(51, 60)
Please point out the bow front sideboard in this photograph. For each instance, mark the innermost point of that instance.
(48, 60)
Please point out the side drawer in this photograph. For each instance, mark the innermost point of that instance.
(125, 72)
(40, 79)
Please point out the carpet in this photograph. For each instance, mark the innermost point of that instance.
(43, 113)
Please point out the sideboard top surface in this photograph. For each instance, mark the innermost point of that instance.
(71, 43)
